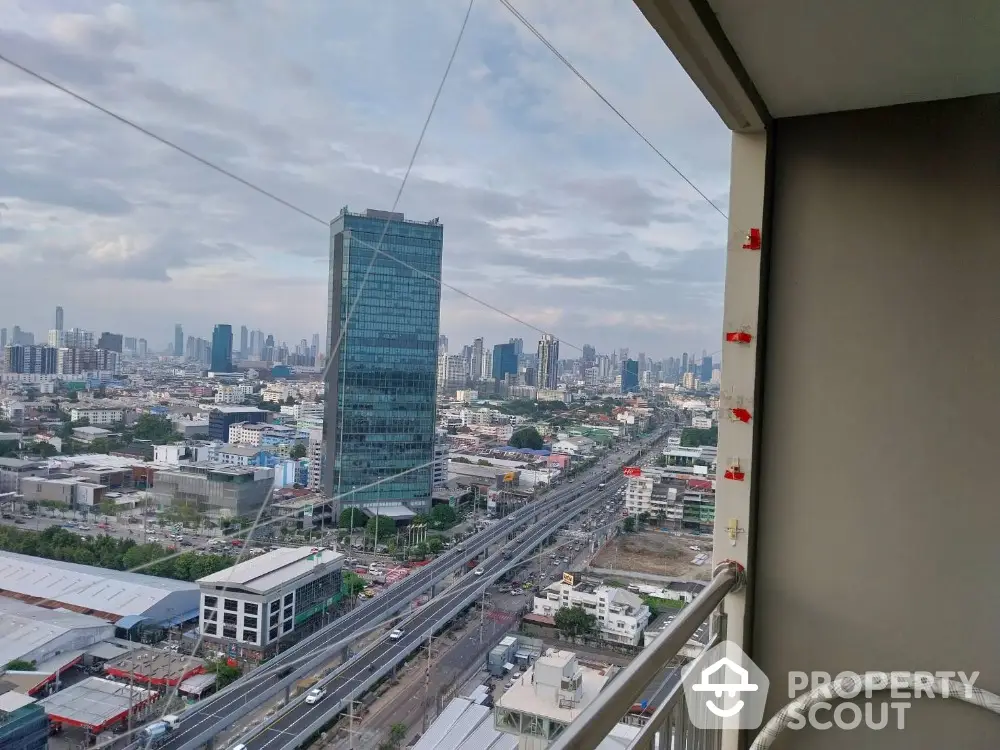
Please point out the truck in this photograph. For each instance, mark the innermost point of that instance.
(155, 734)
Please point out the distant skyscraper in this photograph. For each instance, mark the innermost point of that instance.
(706, 369)
(518, 346)
(178, 340)
(222, 348)
(630, 376)
(476, 366)
(315, 346)
(3, 338)
(244, 342)
(684, 362)
(504, 361)
(59, 318)
(589, 354)
(442, 344)
(548, 361)
(110, 341)
(380, 385)
(142, 348)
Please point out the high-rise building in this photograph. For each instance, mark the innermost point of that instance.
(630, 376)
(222, 348)
(442, 344)
(59, 318)
(142, 348)
(3, 338)
(244, 341)
(548, 361)
(314, 350)
(476, 366)
(37, 360)
(380, 384)
(518, 346)
(504, 361)
(178, 340)
(706, 369)
(684, 362)
(110, 341)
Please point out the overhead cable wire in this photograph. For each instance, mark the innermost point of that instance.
(562, 58)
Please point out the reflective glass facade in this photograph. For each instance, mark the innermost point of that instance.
(381, 384)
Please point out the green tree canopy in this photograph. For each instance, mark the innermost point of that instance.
(628, 525)
(155, 428)
(694, 437)
(352, 584)
(297, 451)
(385, 526)
(443, 516)
(352, 517)
(575, 621)
(224, 674)
(527, 437)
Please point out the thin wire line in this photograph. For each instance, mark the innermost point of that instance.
(377, 250)
(562, 58)
(263, 191)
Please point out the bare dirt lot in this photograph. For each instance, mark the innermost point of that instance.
(657, 553)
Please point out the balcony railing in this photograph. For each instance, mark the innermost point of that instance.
(668, 727)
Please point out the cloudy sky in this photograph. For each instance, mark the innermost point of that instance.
(553, 210)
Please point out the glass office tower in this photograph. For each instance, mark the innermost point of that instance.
(222, 348)
(382, 335)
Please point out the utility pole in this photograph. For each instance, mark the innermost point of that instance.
(482, 617)
(350, 726)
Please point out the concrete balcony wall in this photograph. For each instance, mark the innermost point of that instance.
(878, 511)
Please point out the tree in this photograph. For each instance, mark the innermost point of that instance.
(108, 508)
(74, 396)
(384, 526)
(527, 437)
(20, 665)
(434, 544)
(661, 460)
(575, 621)
(644, 518)
(155, 428)
(297, 451)
(352, 518)
(443, 516)
(352, 584)
(693, 437)
(628, 525)
(290, 401)
(397, 734)
(224, 673)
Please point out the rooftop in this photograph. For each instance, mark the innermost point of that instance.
(238, 409)
(85, 587)
(249, 451)
(155, 667)
(94, 702)
(524, 698)
(26, 627)
(273, 569)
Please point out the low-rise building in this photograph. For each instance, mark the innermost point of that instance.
(98, 417)
(621, 615)
(73, 492)
(257, 603)
(214, 489)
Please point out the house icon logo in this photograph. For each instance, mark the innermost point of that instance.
(725, 689)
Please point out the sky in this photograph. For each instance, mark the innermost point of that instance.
(553, 210)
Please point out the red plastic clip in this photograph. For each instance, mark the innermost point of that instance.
(738, 337)
(752, 241)
(735, 474)
(740, 414)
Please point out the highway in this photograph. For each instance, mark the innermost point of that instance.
(204, 720)
(351, 680)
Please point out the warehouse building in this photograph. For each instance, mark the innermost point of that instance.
(250, 607)
(114, 596)
(35, 634)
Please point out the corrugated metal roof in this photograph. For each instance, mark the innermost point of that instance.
(437, 731)
(26, 628)
(273, 569)
(85, 586)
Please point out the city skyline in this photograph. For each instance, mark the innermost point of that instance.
(558, 214)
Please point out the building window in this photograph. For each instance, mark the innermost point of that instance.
(288, 613)
(250, 622)
(272, 634)
(287, 626)
(250, 636)
(211, 629)
(211, 601)
(275, 605)
(250, 608)
(211, 614)
(288, 599)
(229, 618)
(231, 605)
(273, 620)
(229, 632)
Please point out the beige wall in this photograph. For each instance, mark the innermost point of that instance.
(879, 514)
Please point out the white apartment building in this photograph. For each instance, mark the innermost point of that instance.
(277, 392)
(621, 615)
(249, 433)
(233, 394)
(645, 494)
(304, 410)
(551, 394)
(575, 446)
(701, 422)
(235, 455)
(314, 453)
(11, 410)
(450, 371)
(98, 417)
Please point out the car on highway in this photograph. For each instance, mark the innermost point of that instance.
(396, 634)
(315, 695)
(479, 571)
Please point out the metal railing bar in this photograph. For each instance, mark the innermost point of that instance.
(596, 721)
